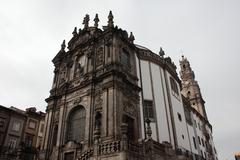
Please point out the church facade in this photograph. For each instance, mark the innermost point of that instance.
(113, 99)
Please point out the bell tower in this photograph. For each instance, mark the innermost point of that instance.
(190, 87)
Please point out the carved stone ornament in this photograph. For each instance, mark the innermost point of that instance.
(71, 145)
(77, 101)
(98, 101)
(62, 75)
(82, 39)
(79, 70)
(99, 57)
(129, 108)
(108, 40)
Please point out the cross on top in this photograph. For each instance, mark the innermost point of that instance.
(96, 20)
(86, 21)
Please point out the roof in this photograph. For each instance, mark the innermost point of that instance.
(143, 48)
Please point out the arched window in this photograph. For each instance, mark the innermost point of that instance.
(76, 124)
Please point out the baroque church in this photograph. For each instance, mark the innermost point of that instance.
(112, 99)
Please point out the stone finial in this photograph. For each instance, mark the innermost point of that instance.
(63, 46)
(131, 37)
(96, 20)
(110, 19)
(149, 130)
(74, 32)
(86, 21)
(161, 52)
(183, 57)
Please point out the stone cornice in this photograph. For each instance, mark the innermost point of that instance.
(165, 63)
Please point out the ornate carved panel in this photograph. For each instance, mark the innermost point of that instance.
(98, 101)
(129, 108)
(77, 101)
(99, 56)
(62, 74)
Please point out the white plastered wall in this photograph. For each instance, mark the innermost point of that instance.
(180, 126)
(147, 91)
(160, 103)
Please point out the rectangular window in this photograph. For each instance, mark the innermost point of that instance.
(188, 116)
(28, 140)
(199, 140)
(194, 142)
(199, 126)
(125, 57)
(32, 124)
(179, 117)
(195, 123)
(174, 86)
(1, 137)
(12, 143)
(42, 128)
(69, 156)
(148, 110)
(202, 142)
(108, 51)
(2, 120)
(16, 126)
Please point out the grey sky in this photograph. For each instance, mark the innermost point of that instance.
(207, 31)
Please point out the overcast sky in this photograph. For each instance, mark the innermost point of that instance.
(207, 32)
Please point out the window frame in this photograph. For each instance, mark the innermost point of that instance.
(31, 121)
(174, 87)
(125, 58)
(194, 142)
(16, 126)
(149, 112)
(179, 116)
(12, 143)
(76, 124)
